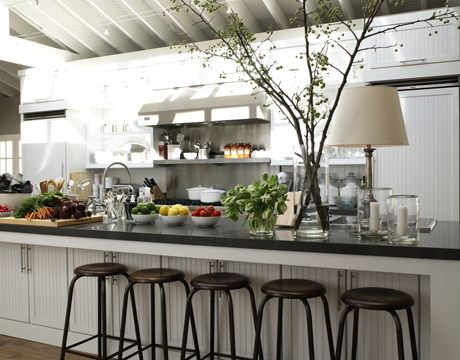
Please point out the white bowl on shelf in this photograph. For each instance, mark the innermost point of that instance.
(190, 155)
(206, 221)
(145, 218)
(175, 220)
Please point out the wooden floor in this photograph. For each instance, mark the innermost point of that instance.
(19, 349)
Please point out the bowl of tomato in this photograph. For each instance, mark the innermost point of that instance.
(206, 217)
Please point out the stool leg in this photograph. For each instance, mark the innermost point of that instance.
(99, 312)
(354, 342)
(231, 322)
(164, 327)
(188, 312)
(104, 319)
(343, 317)
(398, 334)
(257, 342)
(212, 322)
(328, 326)
(279, 335)
(311, 345)
(254, 315)
(67, 316)
(413, 344)
(152, 321)
(192, 317)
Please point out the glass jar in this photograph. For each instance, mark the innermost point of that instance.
(247, 150)
(349, 186)
(234, 151)
(240, 150)
(227, 151)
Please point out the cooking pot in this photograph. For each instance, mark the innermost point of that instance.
(211, 195)
(194, 193)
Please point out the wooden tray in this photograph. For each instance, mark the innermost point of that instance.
(49, 223)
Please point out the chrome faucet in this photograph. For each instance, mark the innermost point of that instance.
(105, 171)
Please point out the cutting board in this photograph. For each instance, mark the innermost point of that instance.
(287, 219)
(79, 177)
(58, 223)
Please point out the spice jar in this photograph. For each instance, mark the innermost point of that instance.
(227, 151)
(234, 151)
(247, 150)
(240, 150)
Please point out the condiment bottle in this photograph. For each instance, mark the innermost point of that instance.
(247, 150)
(240, 150)
(234, 151)
(227, 151)
(162, 150)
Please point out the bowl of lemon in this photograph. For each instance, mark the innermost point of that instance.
(145, 213)
(175, 215)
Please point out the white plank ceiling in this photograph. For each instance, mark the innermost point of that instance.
(94, 28)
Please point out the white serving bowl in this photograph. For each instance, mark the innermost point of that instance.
(190, 155)
(145, 219)
(13, 201)
(207, 221)
(6, 214)
(174, 220)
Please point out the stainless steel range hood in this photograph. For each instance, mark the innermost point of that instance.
(227, 103)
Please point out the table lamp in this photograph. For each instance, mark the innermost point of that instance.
(368, 117)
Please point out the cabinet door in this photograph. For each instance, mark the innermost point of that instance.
(428, 167)
(135, 262)
(84, 305)
(47, 285)
(14, 294)
(334, 281)
(418, 46)
(244, 322)
(377, 331)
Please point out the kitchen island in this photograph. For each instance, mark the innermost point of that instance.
(433, 264)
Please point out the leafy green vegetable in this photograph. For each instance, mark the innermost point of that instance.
(36, 202)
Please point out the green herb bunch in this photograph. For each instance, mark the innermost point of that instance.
(257, 200)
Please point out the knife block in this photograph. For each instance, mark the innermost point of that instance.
(156, 193)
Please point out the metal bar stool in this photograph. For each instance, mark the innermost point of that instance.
(374, 298)
(293, 289)
(99, 270)
(221, 281)
(157, 276)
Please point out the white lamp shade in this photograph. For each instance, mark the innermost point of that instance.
(368, 115)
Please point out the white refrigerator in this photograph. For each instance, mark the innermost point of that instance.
(52, 160)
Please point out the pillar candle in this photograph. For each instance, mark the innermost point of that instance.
(374, 216)
(402, 227)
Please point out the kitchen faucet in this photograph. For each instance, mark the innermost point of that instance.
(108, 167)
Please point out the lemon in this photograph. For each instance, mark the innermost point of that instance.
(173, 212)
(176, 206)
(164, 210)
(184, 210)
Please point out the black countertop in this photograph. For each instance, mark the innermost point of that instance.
(442, 243)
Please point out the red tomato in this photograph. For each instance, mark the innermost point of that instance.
(216, 213)
(2, 211)
(195, 213)
(200, 209)
(210, 207)
(203, 213)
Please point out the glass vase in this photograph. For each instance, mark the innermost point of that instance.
(312, 217)
(261, 227)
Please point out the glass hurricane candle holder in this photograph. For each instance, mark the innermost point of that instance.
(372, 213)
(403, 219)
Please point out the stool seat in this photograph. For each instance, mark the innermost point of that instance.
(101, 269)
(220, 281)
(375, 298)
(156, 276)
(293, 289)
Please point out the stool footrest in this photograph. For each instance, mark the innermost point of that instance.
(69, 350)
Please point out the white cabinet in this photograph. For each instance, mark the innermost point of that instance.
(428, 167)
(37, 87)
(418, 46)
(29, 293)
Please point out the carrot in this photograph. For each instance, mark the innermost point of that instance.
(44, 213)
